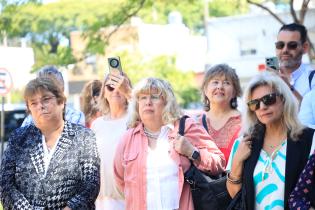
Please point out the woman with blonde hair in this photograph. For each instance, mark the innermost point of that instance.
(108, 129)
(151, 158)
(267, 161)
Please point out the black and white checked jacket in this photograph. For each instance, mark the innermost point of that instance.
(73, 175)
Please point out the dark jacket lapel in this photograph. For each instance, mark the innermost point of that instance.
(249, 167)
(35, 149)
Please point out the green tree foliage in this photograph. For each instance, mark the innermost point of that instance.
(222, 8)
(183, 83)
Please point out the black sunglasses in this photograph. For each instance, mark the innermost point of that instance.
(109, 88)
(292, 45)
(268, 100)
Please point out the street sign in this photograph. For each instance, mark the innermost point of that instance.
(6, 82)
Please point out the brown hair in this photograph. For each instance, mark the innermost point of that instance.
(220, 70)
(41, 84)
(89, 99)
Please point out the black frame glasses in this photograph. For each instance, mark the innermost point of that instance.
(268, 100)
(292, 45)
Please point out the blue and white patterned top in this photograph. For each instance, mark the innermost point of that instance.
(269, 177)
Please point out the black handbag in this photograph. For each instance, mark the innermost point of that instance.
(208, 192)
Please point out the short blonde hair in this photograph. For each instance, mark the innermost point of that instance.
(171, 112)
(290, 107)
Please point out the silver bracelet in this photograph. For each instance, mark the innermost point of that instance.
(231, 180)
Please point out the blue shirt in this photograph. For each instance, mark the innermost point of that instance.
(307, 109)
(299, 78)
(72, 115)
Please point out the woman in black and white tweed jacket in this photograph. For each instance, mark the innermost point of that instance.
(52, 164)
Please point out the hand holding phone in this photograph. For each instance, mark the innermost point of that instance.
(272, 63)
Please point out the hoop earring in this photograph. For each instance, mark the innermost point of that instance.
(233, 103)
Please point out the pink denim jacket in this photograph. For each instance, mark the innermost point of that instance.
(130, 163)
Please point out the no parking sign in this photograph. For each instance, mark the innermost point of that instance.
(6, 82)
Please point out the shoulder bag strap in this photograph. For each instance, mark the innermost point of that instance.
(310, 77)
(181, 129)
(204, 122)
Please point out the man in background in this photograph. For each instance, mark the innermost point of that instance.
(290, 46)
(71, 114)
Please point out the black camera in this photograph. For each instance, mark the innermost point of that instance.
(114, 65)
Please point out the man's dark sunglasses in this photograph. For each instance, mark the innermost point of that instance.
(292, 45)
(268, 100)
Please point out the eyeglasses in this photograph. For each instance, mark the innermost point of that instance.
(268, 100)
(109, 88)
(46, 100)
(153, 98)
(292, 45)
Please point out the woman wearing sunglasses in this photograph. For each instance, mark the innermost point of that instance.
(108, 129)
(267, 161)
(151, 157)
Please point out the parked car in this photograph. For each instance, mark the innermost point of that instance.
(13, 118)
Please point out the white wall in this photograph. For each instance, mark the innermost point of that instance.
(229, 35)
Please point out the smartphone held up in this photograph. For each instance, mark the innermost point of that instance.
(114, 65)
(272, 63)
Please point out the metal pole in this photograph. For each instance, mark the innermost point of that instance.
(2, 126)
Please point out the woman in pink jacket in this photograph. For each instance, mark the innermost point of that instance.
(151, 158)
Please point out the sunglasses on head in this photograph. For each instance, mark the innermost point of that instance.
(268, 100)
(109, 88)
(292, 45)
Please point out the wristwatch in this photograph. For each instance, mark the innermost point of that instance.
(292, 88)
(195, 155)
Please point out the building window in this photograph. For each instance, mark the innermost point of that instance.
(248, 47)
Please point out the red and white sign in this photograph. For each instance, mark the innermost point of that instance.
(6, 82)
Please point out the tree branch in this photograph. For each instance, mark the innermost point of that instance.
(303, 10)
(127, 17)
(268, 10)
(293, 13)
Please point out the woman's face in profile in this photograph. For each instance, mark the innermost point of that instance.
(220, 90)
(44, 108)
(151, 106)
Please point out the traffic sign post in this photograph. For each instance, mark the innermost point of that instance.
(6, 84)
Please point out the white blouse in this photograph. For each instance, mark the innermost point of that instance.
(48, 153)
(162, 175)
